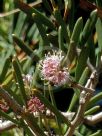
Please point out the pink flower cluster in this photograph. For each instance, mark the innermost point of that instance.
(3, 105)
(35, 105)
(51, 70)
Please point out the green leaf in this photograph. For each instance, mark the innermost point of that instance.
(92, 56)
(70, 6)
(71, 53)
(8, 79)
(77, 133)
(21, 21)
(99, 3)
(13, 92)
(30, 10)
(29, 118)
(98, 133)
(52, 108)
(5, 69)
(61, 22)
(99, 33)
(42, 32)
(32, 122)
(92, 110)
(18, 73)
(81, 81)
(81, 64)
(60, 38)
(88, 28)
(25, 48)
(33, 34)
(47, 5)
(94, 100)
(6, 116)
(77, 30)
(26, 65)
(26, 128)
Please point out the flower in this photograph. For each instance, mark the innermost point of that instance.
(3, 105)
(35, 105)
(27, 79)
(51, 69)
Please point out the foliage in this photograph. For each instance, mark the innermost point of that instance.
(52, 36)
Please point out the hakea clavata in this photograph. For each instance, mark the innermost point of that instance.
(3, 105)
(35, 105)
(51, 69)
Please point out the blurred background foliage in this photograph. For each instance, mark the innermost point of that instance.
(21, 25)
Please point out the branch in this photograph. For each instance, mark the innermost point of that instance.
(78, 86)
(21, 112)
(83, 101)
(88, 120)
(86, 5)
(33, 4)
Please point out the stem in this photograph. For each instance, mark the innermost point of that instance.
(33, 4)
(20, 111)
(53, 4)
(85, 96)
(51, 95)
(54, 104)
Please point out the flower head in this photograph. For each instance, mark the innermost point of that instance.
(51, 69)
(3, 105)
(27, 78)
(35, 105)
